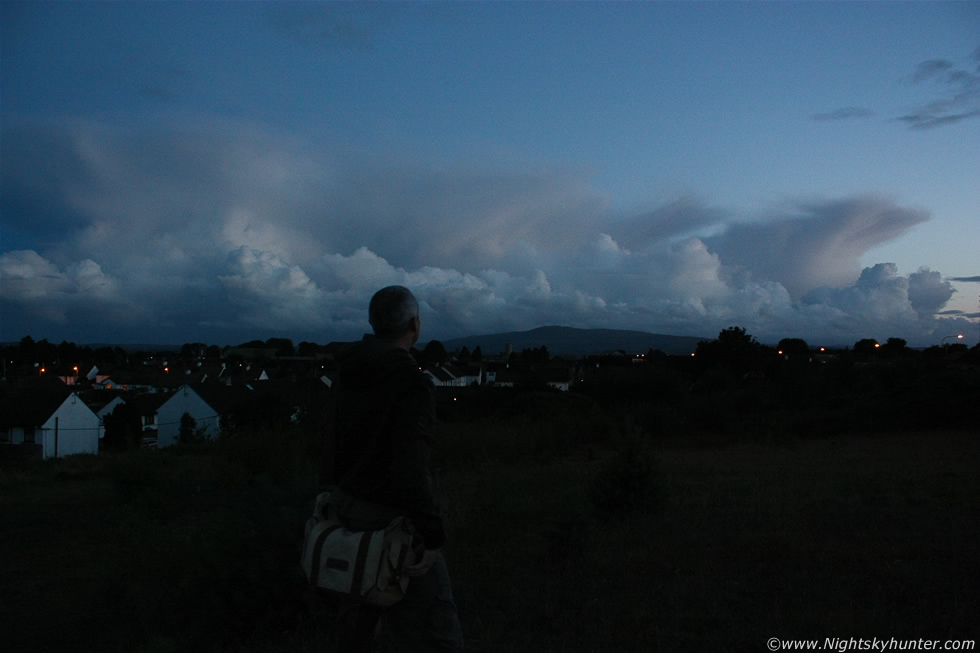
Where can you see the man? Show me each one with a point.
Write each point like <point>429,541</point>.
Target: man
<point>378,457</point>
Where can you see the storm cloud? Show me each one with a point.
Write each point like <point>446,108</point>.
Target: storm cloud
<point>255,233</point>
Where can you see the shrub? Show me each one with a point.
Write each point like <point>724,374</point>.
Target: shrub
<point>630,482</point>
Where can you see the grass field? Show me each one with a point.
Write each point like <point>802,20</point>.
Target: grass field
<point>717,545</point>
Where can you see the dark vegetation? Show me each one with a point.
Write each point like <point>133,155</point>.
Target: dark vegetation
<point>679,504</point>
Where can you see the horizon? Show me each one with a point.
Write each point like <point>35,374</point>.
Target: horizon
<point>225,171</point>
<point>161,346</point>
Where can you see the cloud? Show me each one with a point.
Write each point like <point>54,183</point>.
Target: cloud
<point>339,26</point>
<point>928,293</point>
<point>957,88</point>
<point>355,27</point>
<point>32,283</point>
<point>966,279</point>
<point>269,291</point>
<point>814,244</point>
<point>227,231</point>
<point>884,302</point>
<point>931,69</point>
<point>845,113</point>
<point>683,217</point>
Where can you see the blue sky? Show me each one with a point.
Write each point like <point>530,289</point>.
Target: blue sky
<point>222,171</point>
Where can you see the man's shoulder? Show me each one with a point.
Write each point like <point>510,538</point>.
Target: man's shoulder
<point>367,365</point>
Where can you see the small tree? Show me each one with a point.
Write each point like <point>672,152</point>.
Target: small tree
<point>866,349</point>
<point>435,353</point>
<point>189,433</point>
<point>123,428</point>
<point>895,348</point>
<point>794,350</point>
<point>734,350</point>
<point>283,346</point>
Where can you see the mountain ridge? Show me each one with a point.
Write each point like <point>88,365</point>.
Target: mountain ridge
<point>572,341</point>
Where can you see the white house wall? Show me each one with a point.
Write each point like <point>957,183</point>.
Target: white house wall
<point>72,429</point>
<point>185,400</point>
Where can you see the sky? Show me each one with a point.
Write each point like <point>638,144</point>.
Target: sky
<point>220,172</point>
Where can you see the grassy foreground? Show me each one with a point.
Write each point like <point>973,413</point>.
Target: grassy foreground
<point>565,535</point>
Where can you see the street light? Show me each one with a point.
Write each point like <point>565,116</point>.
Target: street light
<point>958,336</point>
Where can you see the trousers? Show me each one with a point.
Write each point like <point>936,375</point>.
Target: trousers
<point>425,620</point>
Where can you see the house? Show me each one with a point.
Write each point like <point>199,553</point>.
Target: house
<point>470,374</point>
<point>206,403</point>
<point>147,406</point>
<point>440,376</point>
<point>450,375</point>
<point>171,412</point>
<point>48,421</point>
<point>129,381</point>
<point>106,408</point>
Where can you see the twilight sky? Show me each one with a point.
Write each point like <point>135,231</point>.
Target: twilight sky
<point>225,171</point>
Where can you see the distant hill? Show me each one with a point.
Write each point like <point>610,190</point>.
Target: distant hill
<point>568,341</point>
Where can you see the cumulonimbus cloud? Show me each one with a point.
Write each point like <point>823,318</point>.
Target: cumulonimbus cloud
<point>814,244</point>
<point>228,229</point>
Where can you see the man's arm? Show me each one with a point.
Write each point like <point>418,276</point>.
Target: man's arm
<point>411,473</point>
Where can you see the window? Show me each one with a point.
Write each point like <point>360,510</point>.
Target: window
<point>29,434</point>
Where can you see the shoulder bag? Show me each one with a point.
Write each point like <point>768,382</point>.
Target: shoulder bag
<point>366,566</point>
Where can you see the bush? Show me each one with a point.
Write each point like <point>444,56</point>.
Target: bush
<point>630,482</point>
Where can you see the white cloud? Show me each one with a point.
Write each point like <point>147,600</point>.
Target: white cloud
<point>224,225</point>
<point>928,293</point>
<point>32,283</point>
<point>271,293</point>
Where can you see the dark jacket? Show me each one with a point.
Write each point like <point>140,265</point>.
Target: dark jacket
<point>384,413</point>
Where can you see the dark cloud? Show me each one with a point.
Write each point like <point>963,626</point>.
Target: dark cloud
<point>331,25</point>
<point>357,26</point>
<point>845,113</point>
<point>958,90</point>
<point>931,69</point>
<point>966,279</point>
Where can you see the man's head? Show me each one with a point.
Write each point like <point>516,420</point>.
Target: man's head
<point>394,315</point>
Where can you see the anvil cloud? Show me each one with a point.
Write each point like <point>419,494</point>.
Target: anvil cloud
<point>220,172</point>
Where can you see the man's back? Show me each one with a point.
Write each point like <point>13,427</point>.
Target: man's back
<point>383,429</point>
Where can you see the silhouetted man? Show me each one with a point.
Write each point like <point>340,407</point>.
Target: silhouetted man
<point>384,410</point>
